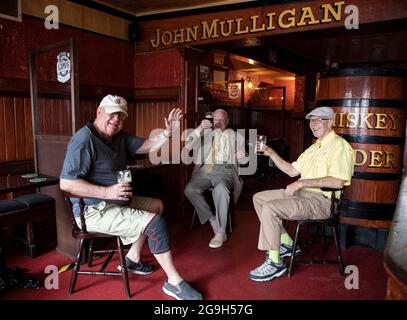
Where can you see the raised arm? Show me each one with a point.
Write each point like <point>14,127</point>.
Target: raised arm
<point>195,135</point>
<point>283,165</point>
<point>172,123</point>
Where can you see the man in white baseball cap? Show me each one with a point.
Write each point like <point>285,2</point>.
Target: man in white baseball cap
<point>328,163</point>
<point>112,104</point>
<point>95,155</point>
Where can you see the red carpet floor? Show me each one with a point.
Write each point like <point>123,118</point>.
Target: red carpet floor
<point>218,273</point>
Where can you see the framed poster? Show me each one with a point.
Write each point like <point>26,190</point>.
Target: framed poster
<point>219,73</point>
<point>203,75</point>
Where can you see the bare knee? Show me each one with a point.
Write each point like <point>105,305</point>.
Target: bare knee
<point>156,206</point>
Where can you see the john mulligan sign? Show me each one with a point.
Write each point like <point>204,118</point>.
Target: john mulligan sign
<point>267,22</point>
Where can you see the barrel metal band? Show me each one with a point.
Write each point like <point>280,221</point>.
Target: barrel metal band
<point>364,210</point>
<point>360,72</point>
<point>373,139</point>
<point>377,176</point>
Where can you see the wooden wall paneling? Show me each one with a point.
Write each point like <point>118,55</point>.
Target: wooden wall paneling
<point>62,119</point>
<point>54,112</point>
<point>2,131</point>
<point>28,130</point>
<point>19,115</point>
<point>87,111</point>
<point>41,116</point>
<point>9,128</point>
<point>129,123</point>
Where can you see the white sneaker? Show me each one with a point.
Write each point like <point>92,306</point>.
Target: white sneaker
<point>218,240</point>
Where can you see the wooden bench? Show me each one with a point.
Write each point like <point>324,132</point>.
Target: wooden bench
<point>24,209</point>
<point>27,209</point>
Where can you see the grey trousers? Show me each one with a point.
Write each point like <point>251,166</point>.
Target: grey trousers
<point>221,180</point>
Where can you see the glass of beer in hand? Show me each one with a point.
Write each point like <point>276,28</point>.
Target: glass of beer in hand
<point>209,116</point>
<point>261,143</point>
<point>124,176</point>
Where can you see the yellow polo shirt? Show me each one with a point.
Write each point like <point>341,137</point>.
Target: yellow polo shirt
<point>331,156</point>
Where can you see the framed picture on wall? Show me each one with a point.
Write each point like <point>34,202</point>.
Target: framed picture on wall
<point>219,73</point>
<point>203,75</point>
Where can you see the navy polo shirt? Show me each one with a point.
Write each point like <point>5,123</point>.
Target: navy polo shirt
<point>92,158</point>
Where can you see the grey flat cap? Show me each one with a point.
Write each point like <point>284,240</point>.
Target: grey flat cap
<point>325,113</point>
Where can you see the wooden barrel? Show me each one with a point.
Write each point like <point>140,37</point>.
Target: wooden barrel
<point>370,113</point>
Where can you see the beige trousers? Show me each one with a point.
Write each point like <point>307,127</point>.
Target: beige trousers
<point>127,222</point>
<point>273,206</point>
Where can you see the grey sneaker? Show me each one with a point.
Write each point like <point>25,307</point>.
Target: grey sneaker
<point>286,251</point>
<point>268,271</point>
<point>137,267</point>
<point>182,291</point>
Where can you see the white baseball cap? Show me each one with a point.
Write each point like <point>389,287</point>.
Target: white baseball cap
<point>325,113</point>
<point>112,103</point>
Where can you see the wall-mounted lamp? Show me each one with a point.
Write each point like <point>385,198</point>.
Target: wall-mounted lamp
<point>249,83</point>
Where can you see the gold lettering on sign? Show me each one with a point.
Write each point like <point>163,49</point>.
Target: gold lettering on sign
<point>266,21</point>
<point>192,33</point>
<point>335,13</point>
<point>270,19</point>
<point>179,36</point>
<point>307,14</point>
<point>290,19</point>
<point>376,121</point>
<point>395,119</point>
<point>365,119</point>
<point>222,30</point>
<point>166,38</point>
<point>381,121</point>
<point>351,120</point>
<point>374,158</point>
<point>239,27</point>
<point>155,43</point>
<point>359,154</point>
<point>210,32</point>
<point>254,25</point>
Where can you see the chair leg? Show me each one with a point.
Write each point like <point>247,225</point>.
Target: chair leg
<point>90,253</point>
<point>324,247</point>
<point>77,266</point>
<point>338,251</point>
<point>193,220</point>
<point>123,268</point>
<point>292,258</point>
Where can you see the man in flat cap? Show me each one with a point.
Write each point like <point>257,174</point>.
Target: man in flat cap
<point>326,163</point>
<point>94,156</point>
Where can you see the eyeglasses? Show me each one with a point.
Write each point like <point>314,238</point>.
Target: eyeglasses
<point>120,115</point>
<point>315,121</point>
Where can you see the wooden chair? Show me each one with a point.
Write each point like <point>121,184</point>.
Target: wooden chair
<point>84,237</point>
<point>331,222</point>
<point>208,196</point>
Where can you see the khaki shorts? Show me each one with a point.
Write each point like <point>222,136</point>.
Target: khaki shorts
<point>127,222</point>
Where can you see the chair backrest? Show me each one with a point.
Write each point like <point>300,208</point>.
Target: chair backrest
<point>69,203</point>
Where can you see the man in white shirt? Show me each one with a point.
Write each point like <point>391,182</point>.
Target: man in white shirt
<point>220,149</point>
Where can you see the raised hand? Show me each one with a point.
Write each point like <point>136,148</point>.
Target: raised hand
<point>173,121</point>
